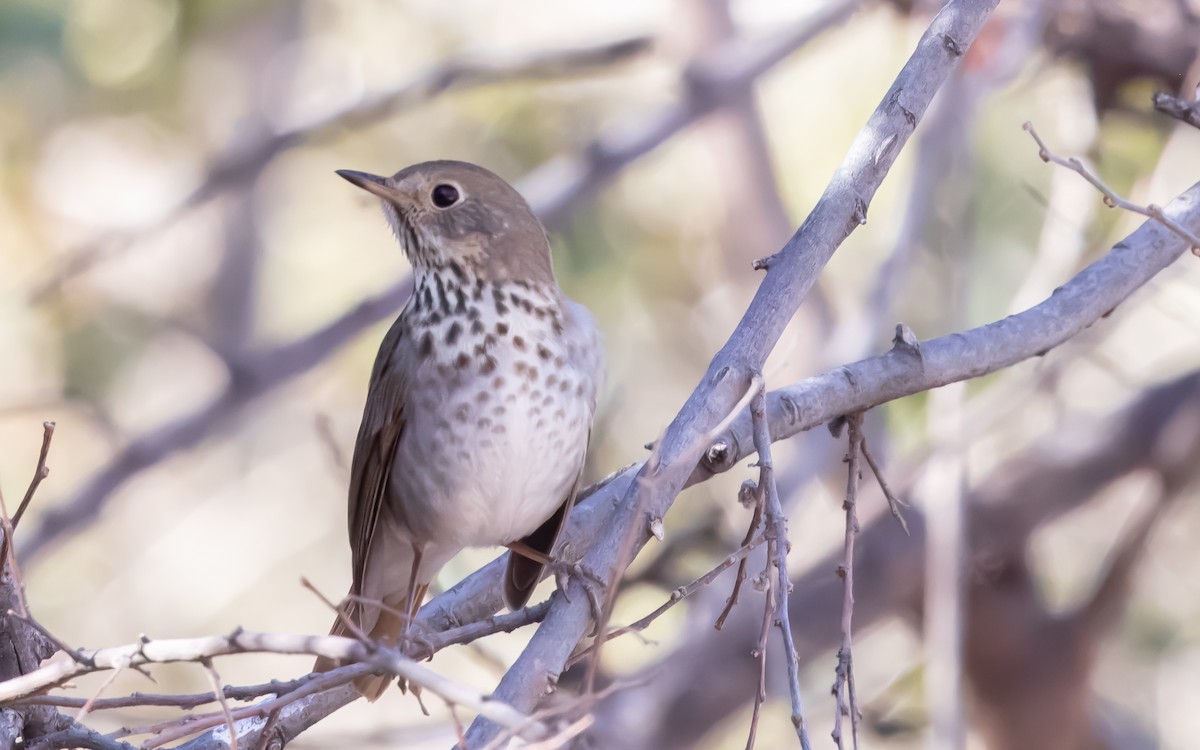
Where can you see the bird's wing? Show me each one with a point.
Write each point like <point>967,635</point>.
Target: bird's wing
<point>375,450</point>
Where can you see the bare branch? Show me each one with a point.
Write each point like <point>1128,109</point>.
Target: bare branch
<point>760,653</point>
<point>777,552</point>
<point>1111,199</point>
<point>791,273</point>
<point>1173,106</point>
<point>184,700</point>
<point>843,685</point>
<point>678,595</point>
<point>41,472</point>
<point>239,642</point>
<point>7,554</point>
<point>255,374</point>
<point>893,502</point>
<point>1159,433</point>
<point>748,495</point>
<point>215,680</point>
<point>463,73</point>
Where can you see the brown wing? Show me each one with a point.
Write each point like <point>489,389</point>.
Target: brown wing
<point>375,450</point>
<point>522,574</point>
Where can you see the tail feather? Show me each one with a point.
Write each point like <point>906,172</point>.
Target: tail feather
<point>385,628</point>
<point>523,573</point>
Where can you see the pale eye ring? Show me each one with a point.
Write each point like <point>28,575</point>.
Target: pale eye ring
<point>445,195</point>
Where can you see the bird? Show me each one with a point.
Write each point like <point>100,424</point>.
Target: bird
<point>480,404</point>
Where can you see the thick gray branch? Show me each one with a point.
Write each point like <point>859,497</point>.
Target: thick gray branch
<point>790,275</point>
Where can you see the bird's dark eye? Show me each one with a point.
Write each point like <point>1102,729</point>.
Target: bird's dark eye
<point>445,196</point>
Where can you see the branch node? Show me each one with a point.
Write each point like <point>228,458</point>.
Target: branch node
<point>718,453</point>
<point>951,45</point>
<point>906,341</point>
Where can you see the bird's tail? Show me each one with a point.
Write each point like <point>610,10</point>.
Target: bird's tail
<point>383,625</point>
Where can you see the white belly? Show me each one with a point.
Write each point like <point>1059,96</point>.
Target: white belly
<point>489,452</point>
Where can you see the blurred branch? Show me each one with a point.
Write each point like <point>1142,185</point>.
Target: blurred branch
<point>252,376</point>
<point>940,150</point>
<point>237,167</point>
<point>713,79</point>
<point>942,486</point>
<point>1173,106</point>
<point>552,190</point>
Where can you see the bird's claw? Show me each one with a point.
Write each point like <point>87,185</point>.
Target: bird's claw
<point>415,645</point>
<point>594,587</point>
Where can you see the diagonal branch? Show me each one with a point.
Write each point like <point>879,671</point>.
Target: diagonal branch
<point>1181,110</point>
<point>909,367</point>
<point>791,273</point>
<point>456,74</point>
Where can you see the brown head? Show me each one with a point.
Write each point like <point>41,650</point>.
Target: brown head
<point>454,213</point>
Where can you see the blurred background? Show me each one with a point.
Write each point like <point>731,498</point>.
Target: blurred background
<point>195,298</point>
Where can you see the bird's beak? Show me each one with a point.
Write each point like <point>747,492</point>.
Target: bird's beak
<point>373,184</point>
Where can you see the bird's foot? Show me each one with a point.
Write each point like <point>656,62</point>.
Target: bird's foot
<point>593,585</point>
<point>416,645</point>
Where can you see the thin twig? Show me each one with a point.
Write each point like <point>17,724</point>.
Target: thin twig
<point>8,555</point>
<point>320,682</point>
<point>74,653</point>
<point>760,653</point>
<point>629,543</point>
<point>1111,199</point>
<point>337,648</point>
<point>777,552</point>
<point>190,725</point>
<point>893,502</point>
<point>580,703</point>
<point>678,595</point>
<point>264,737</point>
<point>843,685</point>
<point>505,623</point>
<point>563,738</point>
<point>215,679</point>
<point>39,474</point>
<point>91,701</point>
<point>460,732</point>
<point>749,495</point>
<point>325,432</point>
<point>9,562</point>
<point>343,618</point>
<point>183,700</point>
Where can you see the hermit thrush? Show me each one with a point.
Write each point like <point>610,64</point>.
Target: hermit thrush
<point>480,404</point>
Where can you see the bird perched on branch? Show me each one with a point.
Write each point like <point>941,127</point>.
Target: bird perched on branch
<point>480,404</point>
